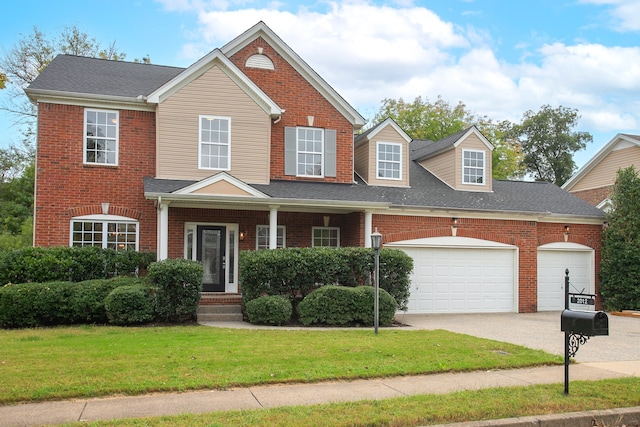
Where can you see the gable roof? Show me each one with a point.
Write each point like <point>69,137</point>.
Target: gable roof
<point>599,156</point>
<point>216,58</point>
<point>373,131</point>
<point>262,30</point>
<point>78,77</point>
<point>422,149</point>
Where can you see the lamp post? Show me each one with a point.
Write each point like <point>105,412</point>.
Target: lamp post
<point>376,243</point>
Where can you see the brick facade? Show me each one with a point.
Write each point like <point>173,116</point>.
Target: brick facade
<point>594,196</point>
<point>66,188</point>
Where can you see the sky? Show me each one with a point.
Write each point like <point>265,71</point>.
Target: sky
<point>500,58</point>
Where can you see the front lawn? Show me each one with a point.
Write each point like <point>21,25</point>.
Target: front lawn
<point>88,361</point>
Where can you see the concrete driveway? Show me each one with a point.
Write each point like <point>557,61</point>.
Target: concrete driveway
<point>539,331</point>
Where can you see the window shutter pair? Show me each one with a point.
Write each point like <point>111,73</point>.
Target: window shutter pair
<point>290,152</point>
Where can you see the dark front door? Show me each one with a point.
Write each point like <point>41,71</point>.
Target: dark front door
<point>211,252</point>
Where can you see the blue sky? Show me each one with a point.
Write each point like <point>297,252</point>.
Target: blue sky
<point>499,57</point>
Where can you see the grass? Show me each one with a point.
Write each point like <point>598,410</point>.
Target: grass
<point>484,404</point>
<point>90,361</point>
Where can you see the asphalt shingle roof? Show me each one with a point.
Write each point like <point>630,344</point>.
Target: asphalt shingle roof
<point>93,76</point>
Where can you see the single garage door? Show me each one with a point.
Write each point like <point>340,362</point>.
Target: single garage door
<point>461,275</point>
<point>553,260</point>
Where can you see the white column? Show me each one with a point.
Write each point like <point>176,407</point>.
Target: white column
<point>273,227</point>
<point>163,230</point>
<point>368,222</point>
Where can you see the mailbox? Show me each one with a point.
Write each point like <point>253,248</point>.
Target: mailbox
<point>588,323</point>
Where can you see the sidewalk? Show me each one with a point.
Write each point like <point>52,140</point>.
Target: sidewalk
<point>47,413</point>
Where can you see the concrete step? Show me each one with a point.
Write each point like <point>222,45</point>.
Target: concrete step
<point>219,313</point>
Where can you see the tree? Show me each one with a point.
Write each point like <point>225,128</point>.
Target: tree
<point>620,266</point>
<point>422,119</point>
<point>548,142</point>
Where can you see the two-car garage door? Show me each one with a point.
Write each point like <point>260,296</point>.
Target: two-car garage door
<point>461,275</point>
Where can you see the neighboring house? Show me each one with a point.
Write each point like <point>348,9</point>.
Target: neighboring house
<point>249,148</point>
<point>594,181</point>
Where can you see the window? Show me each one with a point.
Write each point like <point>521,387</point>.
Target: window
<point>473,167</point>
<point>389,156</point>
<point>215,143</point>
<point>101,137</point>
<point>326,237</point>
<point>310,143</point>
<point>97,230</point>
<point>262,237</point>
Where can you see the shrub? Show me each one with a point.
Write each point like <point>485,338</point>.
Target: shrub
<point>295,272</point>
<point>56,303</point>
<point>177,284</point>
<point>340,305</point>
<point>270,310</point>
<point>129,305</point>
<point>73,264</point>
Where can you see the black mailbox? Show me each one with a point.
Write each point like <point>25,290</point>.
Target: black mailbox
<point>588,323</point>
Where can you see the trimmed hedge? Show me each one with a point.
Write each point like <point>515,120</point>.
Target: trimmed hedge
<point>341,305</point>
<point>296,272</point>
<point>74,264</point>
<point>270,310</point>
<point>129,305</point>
<point>177,284</point>
<point>56,303</point>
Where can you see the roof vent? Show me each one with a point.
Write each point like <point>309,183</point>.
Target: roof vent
<point>259,61</point>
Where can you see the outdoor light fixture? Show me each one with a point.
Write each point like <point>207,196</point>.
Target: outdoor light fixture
<point>242,235</point>
<point>566,233</point>
<point>376,243</point>
<point>454,226</point>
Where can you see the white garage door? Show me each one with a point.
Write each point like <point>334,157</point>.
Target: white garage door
<point>461,275</point>
<point>553,260</point>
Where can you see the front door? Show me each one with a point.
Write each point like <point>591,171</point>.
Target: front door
<point>211,252</point>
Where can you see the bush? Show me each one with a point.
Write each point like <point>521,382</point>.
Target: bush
<point>129,305</point>
<point>269,310</point>
<point>340,305</point>
<point>73,264</point>
<point>56,303</point>
<point>177,284</point>
<point>296,272</point>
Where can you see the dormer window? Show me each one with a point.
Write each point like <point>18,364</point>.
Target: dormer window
<point>473,167</point>
<point>389,160</point>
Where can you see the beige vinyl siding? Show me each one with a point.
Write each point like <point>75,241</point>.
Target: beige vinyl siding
<point>442,166</point>
<point>222,188</point>
<point>388,134</point>
<point>472,142</point>
<point>361,161</point>
<point>215,94</point>
<point>605,172</point>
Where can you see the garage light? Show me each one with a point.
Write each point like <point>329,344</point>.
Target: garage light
<point>454,226</point>
<point>566,233</point>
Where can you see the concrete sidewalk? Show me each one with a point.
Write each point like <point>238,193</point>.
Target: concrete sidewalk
<point>48,413</point>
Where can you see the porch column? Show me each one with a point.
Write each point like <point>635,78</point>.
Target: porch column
<point>368,222</point>
<point>273,227</point>
<point>163,230</point>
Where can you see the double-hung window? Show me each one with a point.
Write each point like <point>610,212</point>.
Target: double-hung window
<point>118,233</point>
<point>215,143</point>
<point>310,149</point>
<point>389,160</point>
<point>262,237</point>
<point>326,237</point>
<point>101,137</point>
<point>473,167</point>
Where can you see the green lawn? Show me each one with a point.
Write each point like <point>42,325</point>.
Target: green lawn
<point>59,363</point>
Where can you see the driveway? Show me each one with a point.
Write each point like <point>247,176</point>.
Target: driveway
<point>539,331</point>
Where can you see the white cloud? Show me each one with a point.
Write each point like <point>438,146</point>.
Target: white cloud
<point>625,13</point>
<point>369,52</point>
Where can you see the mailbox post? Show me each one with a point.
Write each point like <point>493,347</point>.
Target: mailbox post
<point>578,326</point>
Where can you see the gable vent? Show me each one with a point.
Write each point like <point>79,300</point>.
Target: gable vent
<point>259,61</point>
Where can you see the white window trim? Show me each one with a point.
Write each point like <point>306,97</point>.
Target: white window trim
<point>280,228</point>
<point>313,230</point>
<point>484,168</point>
<point>84,139</point>
<point>210,117</point>
<point>378,161</point>
<point>322,153</point>
<point>105,219</point>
